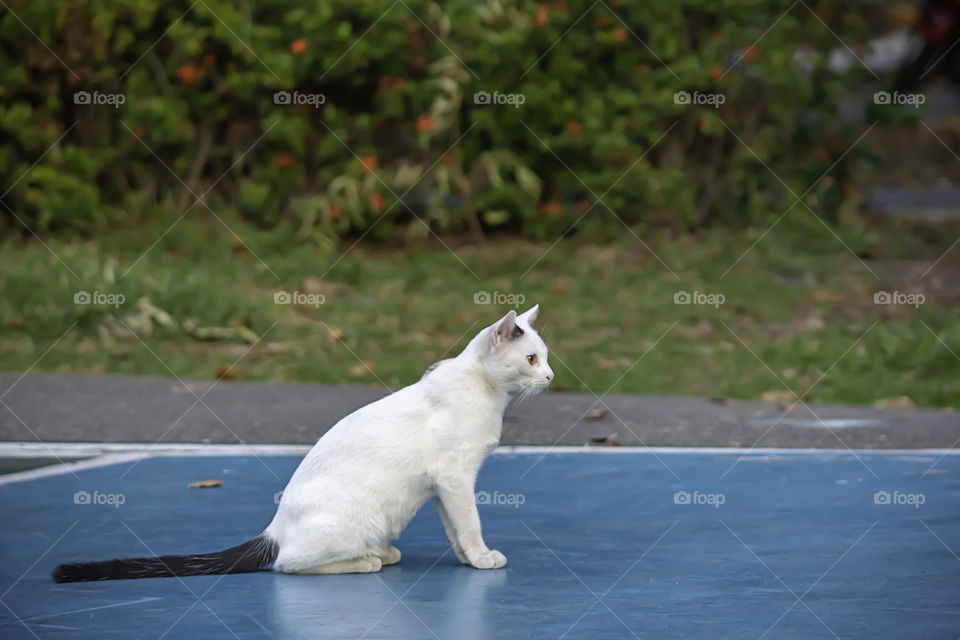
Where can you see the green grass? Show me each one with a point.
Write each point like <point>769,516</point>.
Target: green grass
<point>798,307</point>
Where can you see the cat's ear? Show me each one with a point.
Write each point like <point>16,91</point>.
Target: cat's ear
<point>506,329</point>
<point>530,315</point>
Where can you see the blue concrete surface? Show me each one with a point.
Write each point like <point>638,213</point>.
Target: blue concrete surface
<point>599,545</point>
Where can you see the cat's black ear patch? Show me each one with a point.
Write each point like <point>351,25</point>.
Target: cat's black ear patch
<point>517,332</point>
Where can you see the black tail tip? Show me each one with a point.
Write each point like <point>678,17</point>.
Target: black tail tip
<point>70,573</point>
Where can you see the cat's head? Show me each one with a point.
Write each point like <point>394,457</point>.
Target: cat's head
<point>517,357</point>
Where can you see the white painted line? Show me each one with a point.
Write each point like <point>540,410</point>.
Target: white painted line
<point>105,454</point>
<point>67,467</point>
<point>828,423</point>
<point>93,449</point>
<point>741,451</point>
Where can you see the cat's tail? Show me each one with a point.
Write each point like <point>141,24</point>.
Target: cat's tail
<point>249,556</point>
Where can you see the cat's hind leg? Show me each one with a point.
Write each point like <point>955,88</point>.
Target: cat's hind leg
<point>366,564</point>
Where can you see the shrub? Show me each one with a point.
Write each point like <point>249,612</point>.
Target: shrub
<point>385,101</point>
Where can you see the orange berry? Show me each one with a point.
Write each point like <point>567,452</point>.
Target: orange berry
<point>448,159</point>
<point>716,72</point>
<point>750,54</point>
<point>369,163</point>
<point>575,127</point>
<point>376,202</point>
<point>284,160</point>
<point>543,15</point>
<point>209,60</point>
<point>187,74</point>
<point>619,35</point>
<point>550,208</point>
<point>298,47</point>
<point>334,212</point>
<point>425,122</point>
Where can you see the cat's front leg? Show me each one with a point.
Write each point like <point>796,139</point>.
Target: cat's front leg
<point>456,496</point>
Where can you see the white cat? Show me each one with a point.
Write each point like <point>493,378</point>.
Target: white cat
<point>365,478</point>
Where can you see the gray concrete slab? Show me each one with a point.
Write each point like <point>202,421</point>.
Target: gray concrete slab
<point>73,408</point>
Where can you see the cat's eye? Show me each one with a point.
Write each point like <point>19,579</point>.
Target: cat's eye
<point>532,360</point>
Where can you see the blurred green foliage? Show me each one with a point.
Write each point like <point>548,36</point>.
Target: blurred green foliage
<point>399,118</point>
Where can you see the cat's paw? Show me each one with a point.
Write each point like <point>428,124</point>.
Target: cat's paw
<point>491,559</point>
<point>391,556</point>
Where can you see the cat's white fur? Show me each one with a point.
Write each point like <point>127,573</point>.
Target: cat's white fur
<point>365,478</point>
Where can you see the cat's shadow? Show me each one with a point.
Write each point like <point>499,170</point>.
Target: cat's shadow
<point>451,601</point>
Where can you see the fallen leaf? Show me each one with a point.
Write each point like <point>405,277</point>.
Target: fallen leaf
<point>610,440</point>
<point>898,402</point>
<point>810,323</point>
<point>226,373</point>
<point>777,397</point>
<point>596,414</point>
<point>205,484</point>
<point>701,328</point>
<point>312,284</point>
<point>362,368</point>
